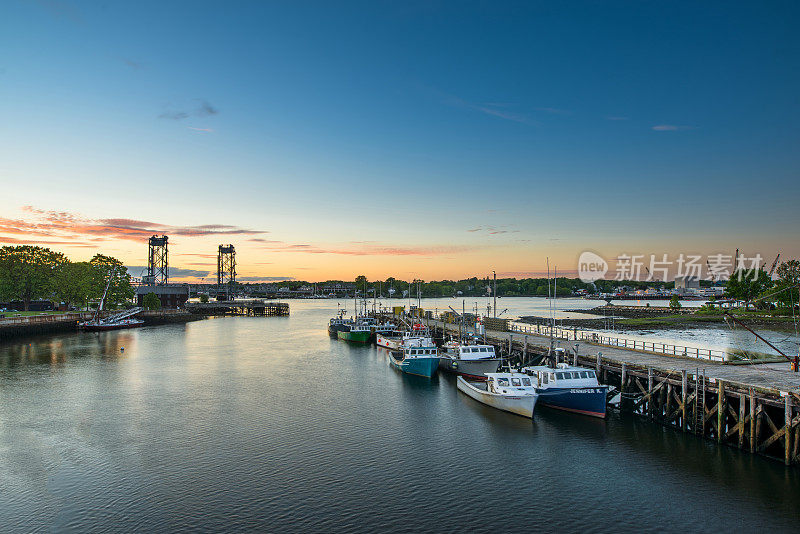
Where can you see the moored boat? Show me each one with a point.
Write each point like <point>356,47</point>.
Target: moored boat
<point>103,325</point>
<point>338,323</point>
<point>421,361</point>
<point>417,336</point>
<point>510,392</point>
<point>569,388</point>
<point>470,361</point>
<point>358,333</point>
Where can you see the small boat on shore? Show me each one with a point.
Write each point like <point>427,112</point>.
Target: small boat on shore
<point>117,321</point>
<point>468,360</point>
<point>510,392</point>
<point>569,388</point>
<point>110,323</point>
<point>420,361</point>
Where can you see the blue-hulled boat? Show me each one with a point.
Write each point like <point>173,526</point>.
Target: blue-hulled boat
<point>421,361</point>
<point>569,388</point>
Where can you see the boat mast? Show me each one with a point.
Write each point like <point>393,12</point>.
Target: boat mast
<point>103,300</point>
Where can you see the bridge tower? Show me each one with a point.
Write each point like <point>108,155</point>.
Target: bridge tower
<point>157,261</point>
<point>226,270</point>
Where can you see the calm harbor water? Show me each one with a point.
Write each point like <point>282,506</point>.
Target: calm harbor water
<point>267,424</point>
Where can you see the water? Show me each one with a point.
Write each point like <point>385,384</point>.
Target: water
<point>266,424</point>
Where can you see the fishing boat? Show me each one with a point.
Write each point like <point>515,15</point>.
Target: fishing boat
<point>469,360</point>
<point>117,321</point>
<point>417,336</point>
<point>569,388</point>
<point>421,361</point>
<point>357,333</point>
<point>338,323</point>
<point>510,392</point>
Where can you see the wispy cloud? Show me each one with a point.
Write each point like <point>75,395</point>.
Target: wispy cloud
<point>51,225</point>
<point>205,130</point>
<point>369,249</point>
<point>670,128</point>
<point>494,109</point>
<point>174,272</point>
<point>136,65</point>
<point>494,230</point>
<point>203,109</point>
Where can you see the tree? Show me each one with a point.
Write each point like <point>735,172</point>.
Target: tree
<point>788,280</point>
<point>27,272</point>
<point>674,302</point>
<point>746,285</point>
<point>203,298</point>
<point>77,283</point>
<point>120,289</point>
<point>151,302</point>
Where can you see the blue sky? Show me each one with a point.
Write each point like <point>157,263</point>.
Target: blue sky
<point>361,129</point>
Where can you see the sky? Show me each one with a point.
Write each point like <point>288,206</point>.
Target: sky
<point>433,140</point>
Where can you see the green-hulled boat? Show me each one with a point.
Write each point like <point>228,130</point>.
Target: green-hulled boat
<point>361,333</point>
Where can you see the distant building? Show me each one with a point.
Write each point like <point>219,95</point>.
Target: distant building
<point>686,284</point>
<point>172,296</point>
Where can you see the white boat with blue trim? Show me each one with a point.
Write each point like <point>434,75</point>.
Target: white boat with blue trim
<point>510,392</point>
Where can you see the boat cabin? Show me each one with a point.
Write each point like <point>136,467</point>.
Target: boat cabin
<point>563,376</point>
<point>513,383</point>
<point>472,352</point>
<point>420,352</point>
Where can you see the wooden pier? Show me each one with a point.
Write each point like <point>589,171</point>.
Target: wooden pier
<point>755,408</point>
<point>250,307</point>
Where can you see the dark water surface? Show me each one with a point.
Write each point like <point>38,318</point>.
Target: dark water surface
<point>266,424</point>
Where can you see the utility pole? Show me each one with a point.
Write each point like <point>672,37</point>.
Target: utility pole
<point>494,292</point>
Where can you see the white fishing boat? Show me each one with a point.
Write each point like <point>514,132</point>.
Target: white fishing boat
<point>417,336</point>
<point>510,392</point>
<point>469,360</point>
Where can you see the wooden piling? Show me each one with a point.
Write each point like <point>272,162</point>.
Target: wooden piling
<point>753,417</point>
<point>787,428</point>
<point>720,409</point>
<point>742,418</point>
<point>650,392</point>
<point>684,382</point>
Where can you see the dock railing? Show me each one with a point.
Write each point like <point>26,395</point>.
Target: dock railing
<point>575,334</point>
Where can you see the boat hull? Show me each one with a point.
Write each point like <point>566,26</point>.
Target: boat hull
<point>354,337</point>
<point>106,327</point>
<point>415,366</point>
<point>523,405</point>
<point>334,329</point>
<point>587,400</point>
<point>475,369</point>
<point>388,342</point>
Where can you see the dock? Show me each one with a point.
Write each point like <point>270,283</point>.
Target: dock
<point>751,407</point>
<point>249,308</point>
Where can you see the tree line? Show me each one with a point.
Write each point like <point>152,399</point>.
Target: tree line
<point>29,273</point>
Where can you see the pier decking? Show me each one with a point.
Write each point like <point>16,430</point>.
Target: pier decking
<point>754,408</point>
